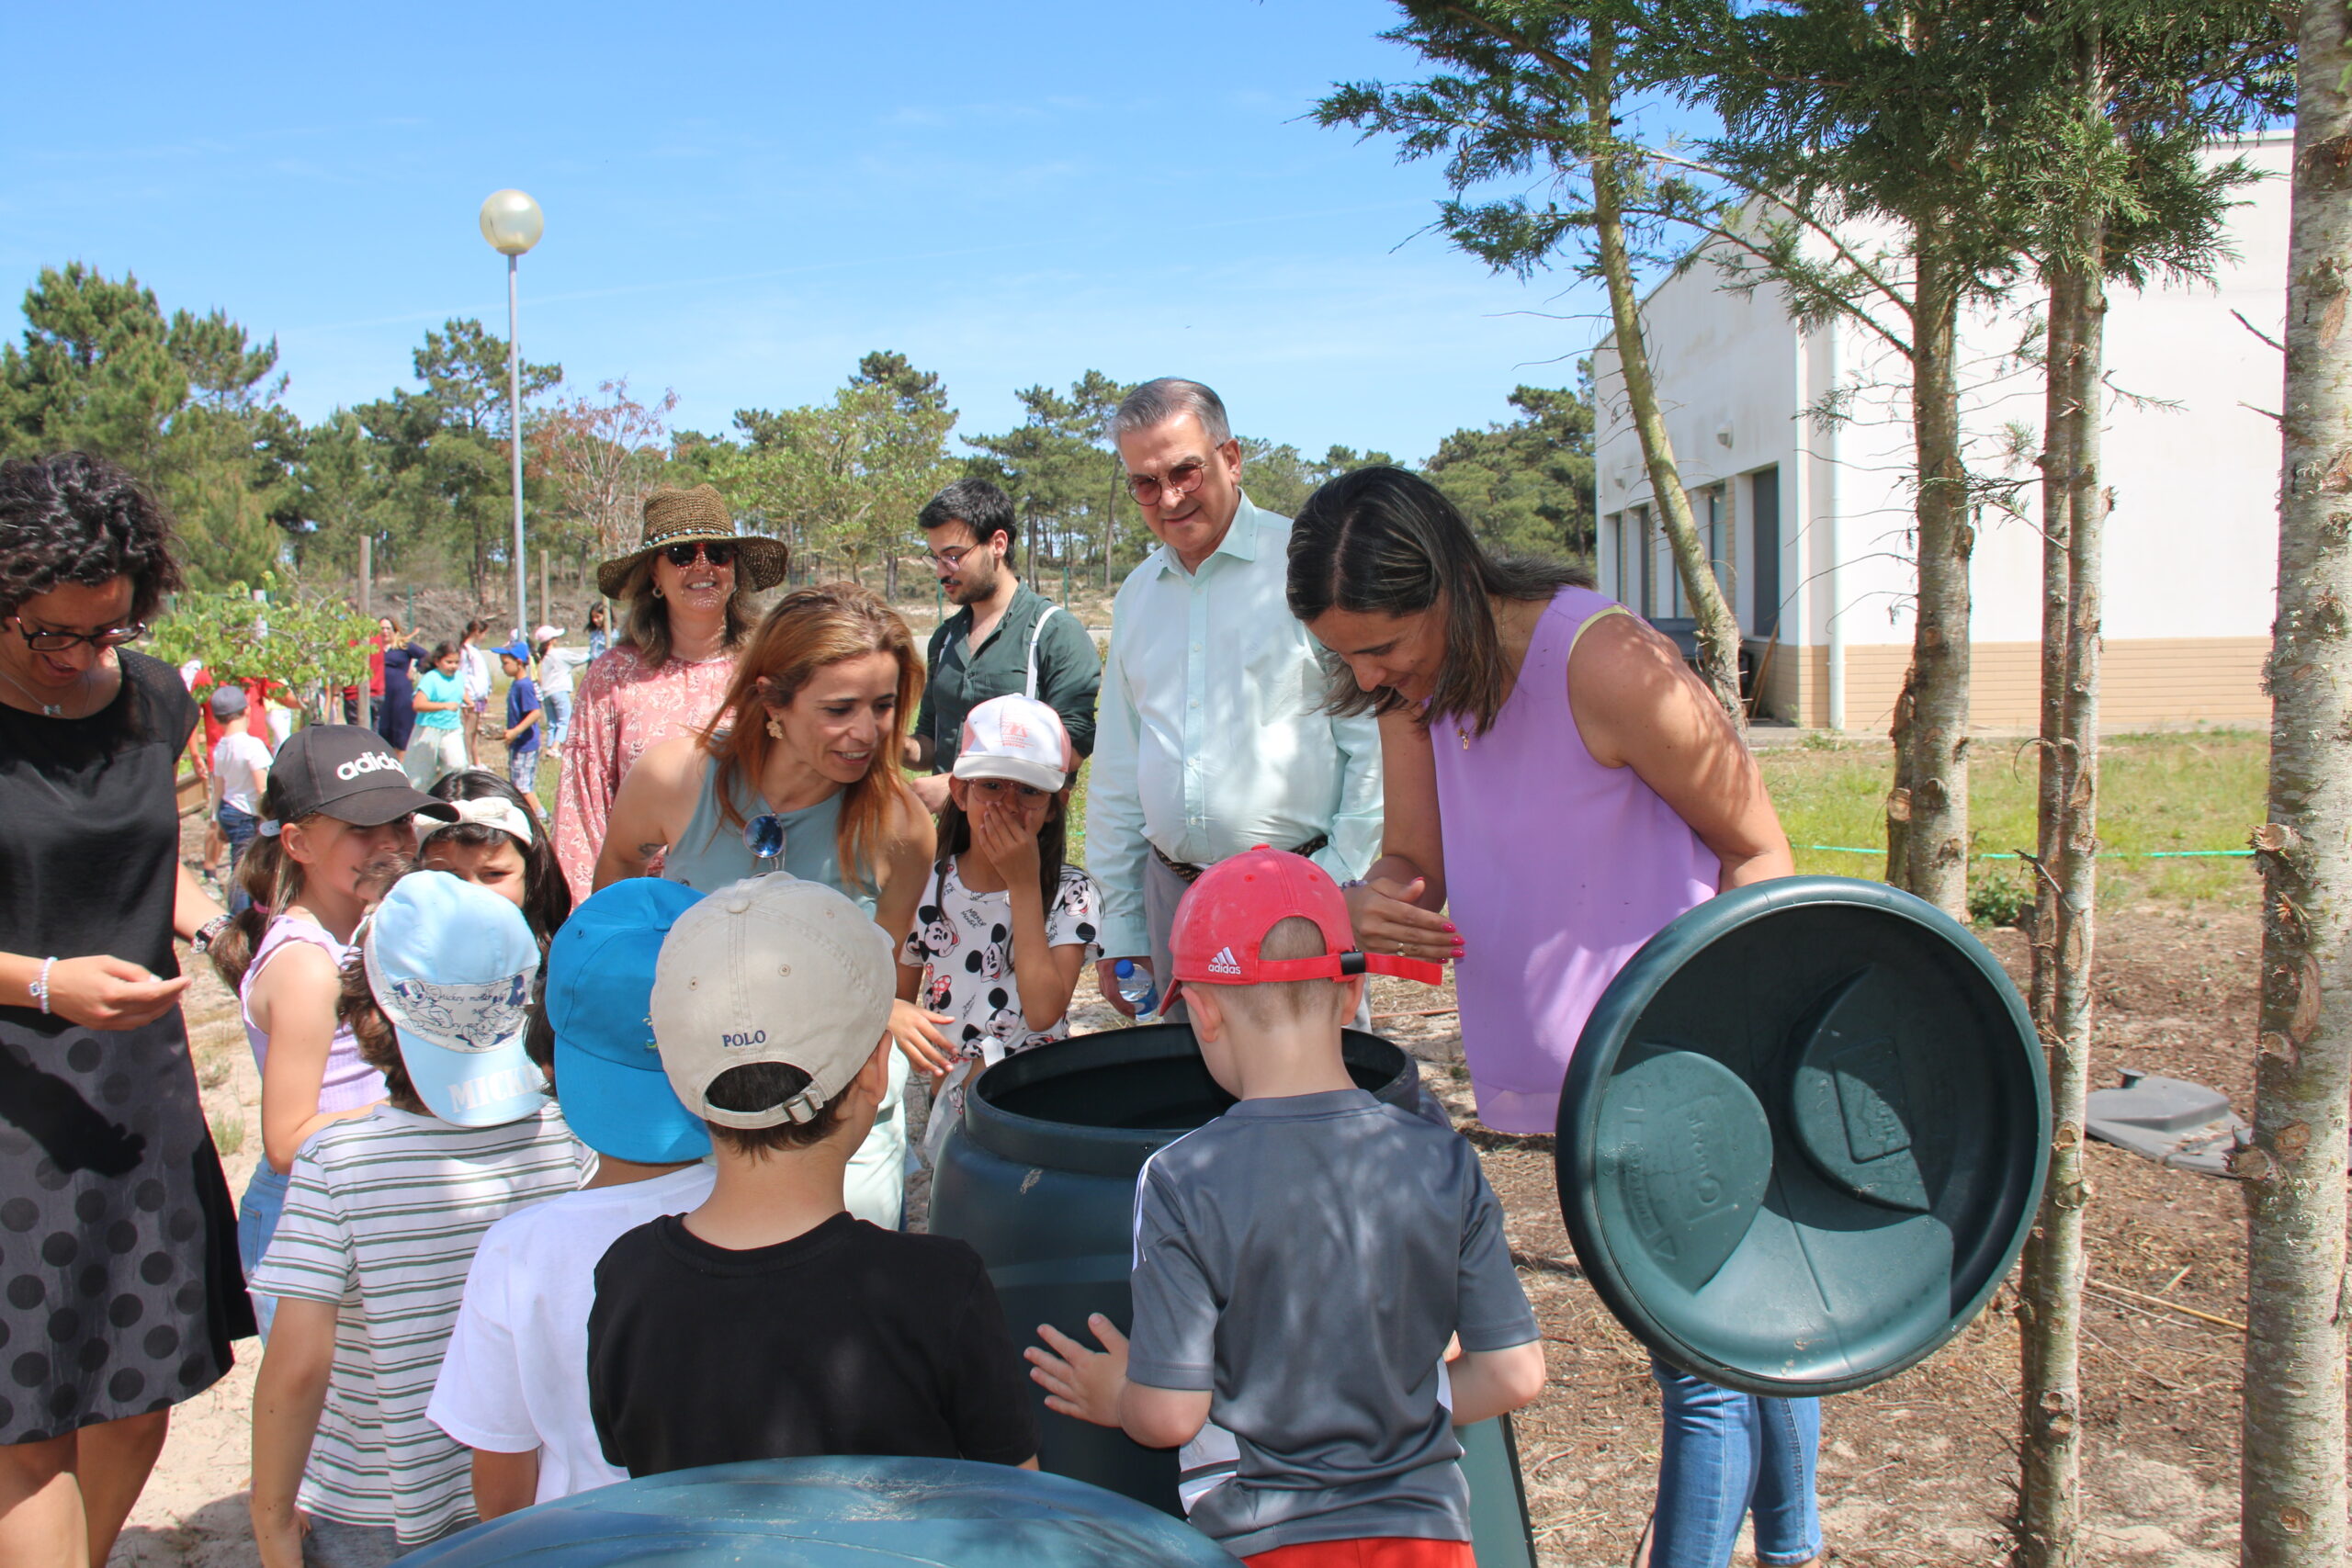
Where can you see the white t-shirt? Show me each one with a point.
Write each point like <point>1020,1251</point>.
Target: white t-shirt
<point>234,761</point>
<point>558,666</point>
<point>516,1377</point>
<point>474,666</point>
<point>380,1222</point>
<point>963,944</point>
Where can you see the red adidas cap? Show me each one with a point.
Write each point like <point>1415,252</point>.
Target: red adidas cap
<point>1225,914</point>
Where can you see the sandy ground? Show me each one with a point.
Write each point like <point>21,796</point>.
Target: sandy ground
<point>1919,1471</point>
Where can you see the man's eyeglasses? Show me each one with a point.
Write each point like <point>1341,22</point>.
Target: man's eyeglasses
<point>1183,479</point>
<point>953,556</point>
<point>58,642</point>
<point>717,552</point>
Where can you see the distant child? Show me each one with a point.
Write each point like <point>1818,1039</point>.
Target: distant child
<point>239,770</point>
<point>514,1384</point>
<point>1302,1262</point>
<point>766,1323</point>
<point>1007,928</point>
<point>500,842</point>
<point>370,1258</point>
<point>333,828</point>
<point>524,728</point>
<point>438,745</point>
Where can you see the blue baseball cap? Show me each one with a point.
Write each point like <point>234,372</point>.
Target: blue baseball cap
<point>518,653</point>
<point>608,1072</point>
<point>451,965</point>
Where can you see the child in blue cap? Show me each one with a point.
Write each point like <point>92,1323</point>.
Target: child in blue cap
<point>380,1222</point>
<point>513,1387</point>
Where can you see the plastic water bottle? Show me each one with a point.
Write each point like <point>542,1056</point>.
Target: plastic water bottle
<point>1136,986</point>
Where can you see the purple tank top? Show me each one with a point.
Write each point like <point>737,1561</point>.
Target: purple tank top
<point>1558,870</point>
<point>349,1083</point>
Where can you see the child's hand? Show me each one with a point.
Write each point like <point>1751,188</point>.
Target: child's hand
<point>916,1033</point>
<point>1010,844</point>
<point>1079,1382</point>
<point>279,1542</point>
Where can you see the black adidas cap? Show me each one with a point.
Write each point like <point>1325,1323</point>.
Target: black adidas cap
<point>347,772</point>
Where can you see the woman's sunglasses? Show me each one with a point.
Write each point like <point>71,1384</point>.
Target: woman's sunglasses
<point>717,552</point>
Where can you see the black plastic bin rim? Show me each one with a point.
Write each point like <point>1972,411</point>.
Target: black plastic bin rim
<point>1630,995</point>
<point>1107,1151</point>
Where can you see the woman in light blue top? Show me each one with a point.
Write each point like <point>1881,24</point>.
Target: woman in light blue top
<point>803,780</point>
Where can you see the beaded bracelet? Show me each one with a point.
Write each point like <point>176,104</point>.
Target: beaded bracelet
<point>40,987</point>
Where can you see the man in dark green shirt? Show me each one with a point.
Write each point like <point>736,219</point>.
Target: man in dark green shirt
<point>1005,638</point>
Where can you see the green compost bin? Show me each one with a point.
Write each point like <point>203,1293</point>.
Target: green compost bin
<point>832,1512</point>
<point>1039,1177</point>
<point>1802,1137</point>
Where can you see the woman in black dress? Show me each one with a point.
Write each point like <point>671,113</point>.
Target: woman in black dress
<point>119,1290</point>
<point>396,716</point>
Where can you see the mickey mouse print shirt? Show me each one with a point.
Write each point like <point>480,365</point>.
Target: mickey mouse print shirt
<point>963,944</point>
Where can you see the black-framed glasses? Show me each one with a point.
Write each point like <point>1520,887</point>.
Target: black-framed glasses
<point>1183,479</point>
<point>764,836</point>
<point>58,642</point>
<point>717,552</point>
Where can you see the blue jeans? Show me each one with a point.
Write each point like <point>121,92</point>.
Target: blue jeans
<point>1728,1453</point>
<point>237,828</point>
<point>256,1222</point>
<point>555,709</point>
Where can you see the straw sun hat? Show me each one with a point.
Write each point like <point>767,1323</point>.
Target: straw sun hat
<point>680,517</point>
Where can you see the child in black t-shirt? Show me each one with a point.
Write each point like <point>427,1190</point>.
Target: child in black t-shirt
<point>768,1324</point>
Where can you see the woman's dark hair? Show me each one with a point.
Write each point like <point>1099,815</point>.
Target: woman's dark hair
<point>644,619</point>
<point>547,896</point>
<point>475,628</point>
<point>596,614</point>
<point>1380,541</point>
<point>379,1045</point>
<point>955,836</point>
<point>75,518</point>
<point>976,503</point>
<point>756,1086</point>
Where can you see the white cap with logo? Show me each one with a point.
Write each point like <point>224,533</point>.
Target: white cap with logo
<point>1016,738</point>
<point>771,969</point>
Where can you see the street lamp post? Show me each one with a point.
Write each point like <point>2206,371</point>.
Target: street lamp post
<point>512,222</point>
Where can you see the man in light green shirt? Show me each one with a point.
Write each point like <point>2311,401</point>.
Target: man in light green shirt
<point>1211,735</point>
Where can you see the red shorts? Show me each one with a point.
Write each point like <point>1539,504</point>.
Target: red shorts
<point>1372,1551</point>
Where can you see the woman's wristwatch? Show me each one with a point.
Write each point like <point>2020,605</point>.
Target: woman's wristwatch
<point>209,932</point>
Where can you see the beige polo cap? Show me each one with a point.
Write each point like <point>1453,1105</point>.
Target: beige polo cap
<point>771,969</point>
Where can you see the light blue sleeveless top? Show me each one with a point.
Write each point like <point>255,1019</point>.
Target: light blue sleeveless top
<point>710,854</point>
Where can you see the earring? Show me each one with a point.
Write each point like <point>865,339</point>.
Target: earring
<point>775,727</point>
<point>656,591</point>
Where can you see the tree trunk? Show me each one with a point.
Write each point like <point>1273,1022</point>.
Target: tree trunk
<point>1932,802</point>
<point>2051,1310</point>
<point>1718,627</point>
<point>2292,1481</point>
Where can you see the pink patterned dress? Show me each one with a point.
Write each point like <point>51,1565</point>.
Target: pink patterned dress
<point>621,708</point>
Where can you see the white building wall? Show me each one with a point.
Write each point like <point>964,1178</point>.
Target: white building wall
<point>2193,465</point>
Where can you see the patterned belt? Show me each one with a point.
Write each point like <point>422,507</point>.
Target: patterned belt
<point>1192,872</point>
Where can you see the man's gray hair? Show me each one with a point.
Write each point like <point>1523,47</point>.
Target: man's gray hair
<point>1154,403</point>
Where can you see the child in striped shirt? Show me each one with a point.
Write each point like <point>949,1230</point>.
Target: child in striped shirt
<point>369,1260</point>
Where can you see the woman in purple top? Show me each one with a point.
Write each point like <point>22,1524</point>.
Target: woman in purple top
<point>1557,776</point>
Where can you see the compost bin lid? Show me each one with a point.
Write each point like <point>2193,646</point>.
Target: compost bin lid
<point>1803,1135</point>
<point>833,1513</point>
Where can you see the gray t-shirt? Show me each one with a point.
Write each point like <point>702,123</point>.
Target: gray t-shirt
<point>1304,1260</point>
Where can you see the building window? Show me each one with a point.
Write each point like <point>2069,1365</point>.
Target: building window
<point>1719,542</point>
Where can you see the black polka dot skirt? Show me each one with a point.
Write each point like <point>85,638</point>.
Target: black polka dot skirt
<point>119,1290</point>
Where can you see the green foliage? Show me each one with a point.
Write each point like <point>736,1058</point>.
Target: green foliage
<point>184,402</point>
<point>1280,480</point>
<point>2000,899</point>
<point>1526,486</point>
<point>311,643</point>
<point>840,479</point>
<point>1064,478</point>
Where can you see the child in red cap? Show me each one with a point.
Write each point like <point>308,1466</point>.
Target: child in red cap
<point>1303,1262</point>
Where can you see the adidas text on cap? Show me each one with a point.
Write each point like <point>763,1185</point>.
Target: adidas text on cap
<point>346,772</point>
<point>1224,916</point>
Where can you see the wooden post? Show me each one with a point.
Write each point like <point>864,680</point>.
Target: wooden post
<point>366,575</point>
<point>546,609</point>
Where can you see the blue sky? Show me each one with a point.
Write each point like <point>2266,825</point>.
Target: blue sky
<point>740,200</point>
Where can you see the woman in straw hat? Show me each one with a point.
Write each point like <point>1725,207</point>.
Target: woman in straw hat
<point>685,594</point>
